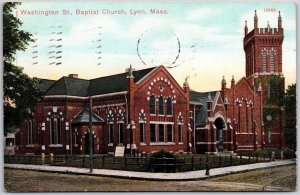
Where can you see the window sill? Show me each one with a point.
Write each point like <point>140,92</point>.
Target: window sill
<point>55,145</point>
<point>162,144</point>
<point>169,115</point>
<point>143,144</point>
<point>180,143</point>
<point>111,144</point>
<point>30,146</point>
<point>120,144</point>
<point>152,114</point>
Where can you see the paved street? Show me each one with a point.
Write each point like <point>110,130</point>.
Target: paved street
<point>191,175</point>
<point>273,179</point>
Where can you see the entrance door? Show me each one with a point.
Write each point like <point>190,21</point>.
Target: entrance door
<point>219,123</point>
<point>87,143</point>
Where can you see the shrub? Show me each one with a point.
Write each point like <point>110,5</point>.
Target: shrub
<point>161,161</point>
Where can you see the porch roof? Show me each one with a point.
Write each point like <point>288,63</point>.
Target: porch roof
<point>83,117</point>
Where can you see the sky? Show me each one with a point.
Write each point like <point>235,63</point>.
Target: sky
<point>202,41</point>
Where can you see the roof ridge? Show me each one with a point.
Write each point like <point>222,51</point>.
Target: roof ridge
<point>76,78</point>
<point>45,79</point>
<point>122,73</point>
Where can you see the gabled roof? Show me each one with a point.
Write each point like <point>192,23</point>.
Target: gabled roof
<point>82,88</point>
<point>45,84</point>
<point>114,83</point>
<point>202,97</point>
<point>83,117</point>
<point>69,86</point>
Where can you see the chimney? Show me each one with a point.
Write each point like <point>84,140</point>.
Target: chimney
<point>73,76</point>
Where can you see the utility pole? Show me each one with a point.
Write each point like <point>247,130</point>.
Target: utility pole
<point>91,136</point>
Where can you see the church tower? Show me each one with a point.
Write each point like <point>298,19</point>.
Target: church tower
<point>263,49</point>
<point>263,57</point>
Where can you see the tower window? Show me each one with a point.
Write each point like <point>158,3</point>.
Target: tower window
<point>264,61</point>
<point>272,62</point>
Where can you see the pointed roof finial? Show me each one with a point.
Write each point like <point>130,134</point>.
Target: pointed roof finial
<point>130,70</point>
<point>255,16</point>
<point>268,26</point>
<point>186,84</point>
<point>279,17</point>
<point>245,23</point>
<point>232,78</point>
<point>209,97</point>
<point>223,80</point>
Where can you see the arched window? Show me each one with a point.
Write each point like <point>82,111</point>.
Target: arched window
<point>264,61</point>
<point>272,62</point>
<point>121,125</point>
<point>29,132</point>
<point>169,106</point>
<point>161,105</point>
<point>142,121</point>
<point>180,126</point>
<point>110,121</point>
<point>152,104</point>
<point>55,131</point>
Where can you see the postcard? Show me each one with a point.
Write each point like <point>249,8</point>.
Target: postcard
<point>119,96</point>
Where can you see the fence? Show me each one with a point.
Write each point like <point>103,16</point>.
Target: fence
<point>196,162</point>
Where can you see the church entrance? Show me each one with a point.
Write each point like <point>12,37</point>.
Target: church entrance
<point>220,125</point>
<point>87,143</point>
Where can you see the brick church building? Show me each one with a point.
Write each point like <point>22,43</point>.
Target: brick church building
<point>146,110</point>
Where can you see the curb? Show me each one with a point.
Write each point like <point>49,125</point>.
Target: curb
<point>204,177</point>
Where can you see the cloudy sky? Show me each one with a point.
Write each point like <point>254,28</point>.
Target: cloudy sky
<point>210,37</point>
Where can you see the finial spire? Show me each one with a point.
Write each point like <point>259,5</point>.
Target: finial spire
<point>186,84</point>
<point>255,20</point>
<point>209,97</point>
<point>223,80</point>
<point>279,21</point>
<point>130,70</point>
<point>246,28</point>
<point>268,26</point>
<point>279,17</point>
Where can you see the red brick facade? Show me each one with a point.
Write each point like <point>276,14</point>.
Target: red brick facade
<point>147,110</point>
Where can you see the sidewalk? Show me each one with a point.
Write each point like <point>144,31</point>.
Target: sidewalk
<point>181,176</point>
